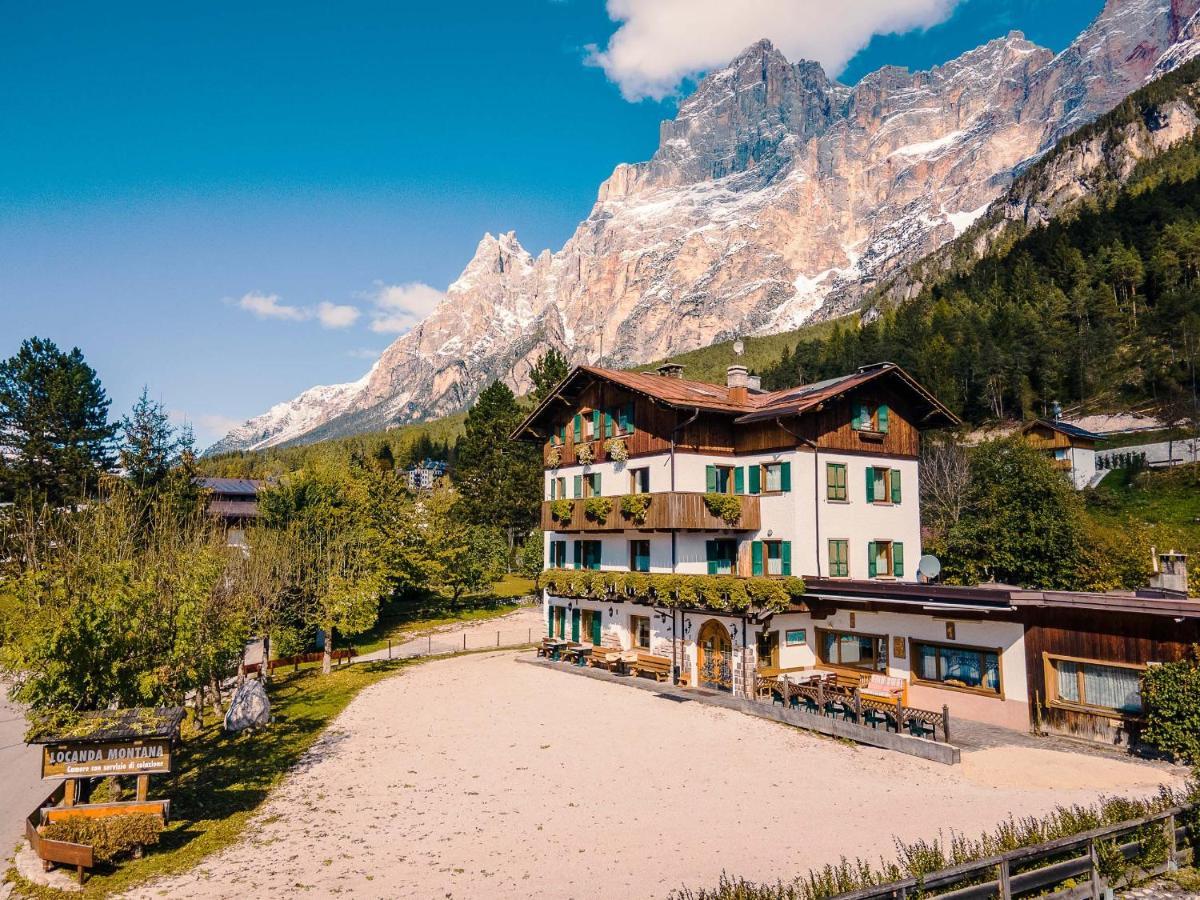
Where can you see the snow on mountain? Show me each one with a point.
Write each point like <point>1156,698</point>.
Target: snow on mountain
<point>776,197</point>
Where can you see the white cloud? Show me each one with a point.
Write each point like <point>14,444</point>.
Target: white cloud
<point>336,315</point>
<point>267,306</point>
<point>661,42</point>
<point>398,307</point>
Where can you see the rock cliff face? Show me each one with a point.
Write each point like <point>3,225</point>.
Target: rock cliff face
<point>776,197</point>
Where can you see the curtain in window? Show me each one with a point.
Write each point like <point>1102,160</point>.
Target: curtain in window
<point>1112,687</point>
<point>830,648</point>
<point>927,662</point>
<point>1068,681</point>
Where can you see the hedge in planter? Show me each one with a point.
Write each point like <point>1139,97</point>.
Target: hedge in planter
<point>725,593</point>
<point>561,510</point>
<point>597,508</point>
<point>110,837</point>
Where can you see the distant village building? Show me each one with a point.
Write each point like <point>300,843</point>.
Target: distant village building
<point>825,477</point>
<point>234,501</point>
<point>1072,449</point>
<point>423,475</point>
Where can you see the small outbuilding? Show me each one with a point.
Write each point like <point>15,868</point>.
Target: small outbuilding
<point>1072,449</point>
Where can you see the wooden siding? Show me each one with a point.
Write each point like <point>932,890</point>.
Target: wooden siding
<point>1100,637</point>
<point>668,511</point>
<point>829,427</point>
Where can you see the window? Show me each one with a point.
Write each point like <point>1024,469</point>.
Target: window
<point>883,485</point>
<point>962,667</point>
<point>768,648</point>
<point>885,559</point>
<point>558,554</point>
<point>722,557</point>
<point>768,478</point>
<point>724,479</point>
<point>587,485</point>
<point>770,557</point>
<point>856,651</point>
<point>1101,686</point>
<point>870,419</point>
<point>839,558</point>
<point>558,488</point>
<point>639,630</point>
<point>639,481</point>
<point>835,481</point>
<point>639,556</point>
<point>587,554</point>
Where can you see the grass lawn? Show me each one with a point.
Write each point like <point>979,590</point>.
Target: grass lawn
<point>222,779</point>
<point>406,618</point>
<point>1168,501</point>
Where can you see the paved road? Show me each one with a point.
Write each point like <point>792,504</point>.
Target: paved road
<point>20,787</point>
<point>506,631</point>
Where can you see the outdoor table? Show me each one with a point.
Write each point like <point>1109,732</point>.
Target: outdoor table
<point>556,648</point>
<point>627,657</point>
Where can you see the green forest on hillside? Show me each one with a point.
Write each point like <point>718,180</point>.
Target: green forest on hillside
<point>1102,308</point>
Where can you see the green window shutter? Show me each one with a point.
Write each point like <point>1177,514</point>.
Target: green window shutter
<point>871,560</point>
<point>578,427</point>
<point>710,551</point>
<point>785,476</point>
<point>834,562</point>
<point>575,625</point>
<point>898,560</point>
<point>597,423</point>
<point>596,492</point>
<point>578,486</point>
<point>549,621</point>
<point>756,479</point>
<point>596,628</point>
<point>739,480</point>
<point>562,434</point>
<point>756,557</point>
<point>858,422</point>
<point>895,485</point>
<point>870,484</point>
<point>608,423</point>
<point>578,554</point>
<point>882,415</point>
<point>710,479</point>
<point>629,426</point>
<point>623,419</point>
<point>785,553</point>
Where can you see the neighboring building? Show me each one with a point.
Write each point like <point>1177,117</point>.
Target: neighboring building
<point>827,479</point>
<point>234,501</point>
<point>424,475</point>
<point>1072,449</point>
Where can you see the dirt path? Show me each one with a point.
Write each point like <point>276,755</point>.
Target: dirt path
<point>482,777</point>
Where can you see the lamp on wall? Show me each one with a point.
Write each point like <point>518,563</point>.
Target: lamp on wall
<point>610,612</point>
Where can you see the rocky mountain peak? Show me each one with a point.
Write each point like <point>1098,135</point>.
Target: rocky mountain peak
<point>776,196</point>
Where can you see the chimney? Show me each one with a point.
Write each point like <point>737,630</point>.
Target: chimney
<point>670,370</point>
<point>754,382</point>
<point>1170,572</point>
<point>737,379</point>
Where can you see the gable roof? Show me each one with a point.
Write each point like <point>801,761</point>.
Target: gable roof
<point>1062,428</point>
<point>758,406</point>
<point>247,486</point>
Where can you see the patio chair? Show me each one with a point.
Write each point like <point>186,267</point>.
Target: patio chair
<point>918,727</point>
<point>810,705</point>
<point>876,717</point>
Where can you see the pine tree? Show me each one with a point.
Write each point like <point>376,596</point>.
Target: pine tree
<point>54,428</point>
<point>149,444</point>
<point>546,373</point>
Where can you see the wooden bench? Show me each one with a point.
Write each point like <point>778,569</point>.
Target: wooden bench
<point>649,664</point>
<point>605,657</point>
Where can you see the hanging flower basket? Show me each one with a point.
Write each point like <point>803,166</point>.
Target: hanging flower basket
<point>584,454</point>
<point>616,450</point>
<point>554,458</point>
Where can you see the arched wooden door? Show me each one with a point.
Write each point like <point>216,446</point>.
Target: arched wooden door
<point>714,656</point>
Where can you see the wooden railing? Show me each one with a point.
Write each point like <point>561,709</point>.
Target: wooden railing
<point>1043,867</point>
<point>668,511</point>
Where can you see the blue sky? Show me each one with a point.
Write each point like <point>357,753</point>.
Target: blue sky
<point>200,196</point>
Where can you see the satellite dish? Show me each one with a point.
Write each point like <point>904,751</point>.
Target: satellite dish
<point>739,347</point>
<point>929,567</point>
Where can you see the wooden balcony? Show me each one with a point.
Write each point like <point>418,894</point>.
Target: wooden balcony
<point>670,511</point>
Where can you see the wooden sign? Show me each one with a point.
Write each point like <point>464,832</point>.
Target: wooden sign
<point>148,756</point>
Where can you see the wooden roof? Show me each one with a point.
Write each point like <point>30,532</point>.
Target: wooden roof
<point>104,725</point>
<point>758,405</point>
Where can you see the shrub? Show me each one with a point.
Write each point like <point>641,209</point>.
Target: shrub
<point>1171,699</point>
<point>561,509</point>
<point>597,508</point>
<point>634,507</point>
<point>110,837</point>
<point>726,507</point>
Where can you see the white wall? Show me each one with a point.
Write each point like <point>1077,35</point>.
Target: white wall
<point>803,515</point>
<point>1083,466</point>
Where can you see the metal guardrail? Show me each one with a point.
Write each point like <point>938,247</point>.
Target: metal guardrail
<point>1015,873</point>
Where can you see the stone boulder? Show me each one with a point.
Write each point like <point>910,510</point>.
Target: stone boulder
<point>249,708</point>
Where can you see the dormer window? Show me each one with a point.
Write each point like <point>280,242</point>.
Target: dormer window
<point>870,419</point>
